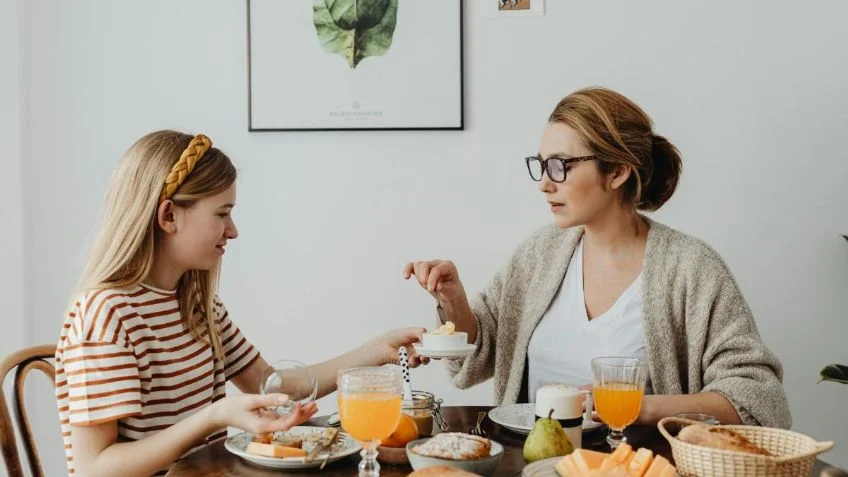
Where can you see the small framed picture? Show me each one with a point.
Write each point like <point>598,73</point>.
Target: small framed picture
<point>516,8</point>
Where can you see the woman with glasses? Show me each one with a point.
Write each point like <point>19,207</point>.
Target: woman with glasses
<point>605,280</point>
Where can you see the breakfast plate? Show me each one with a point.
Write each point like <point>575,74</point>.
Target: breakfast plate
<point>458,352</point>
<point>520,417</point>
<point>542,468</point>
<point>345,446</point>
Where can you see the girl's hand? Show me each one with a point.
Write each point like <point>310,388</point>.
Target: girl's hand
<point>249,412</point>
<point>386,346</point>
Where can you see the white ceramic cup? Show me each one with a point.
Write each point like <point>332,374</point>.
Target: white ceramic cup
<point>571,406</point>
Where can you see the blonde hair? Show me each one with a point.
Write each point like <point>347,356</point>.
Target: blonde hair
<point>124,249</point>
<point>620,133</point>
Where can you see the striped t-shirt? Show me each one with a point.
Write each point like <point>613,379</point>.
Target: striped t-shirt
<point>127,356</point>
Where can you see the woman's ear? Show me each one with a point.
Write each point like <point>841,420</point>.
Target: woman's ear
<point>166,217</point>
<point>618,177</point>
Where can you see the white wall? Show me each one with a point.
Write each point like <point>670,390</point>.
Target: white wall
<point>11,208</point>
<point>753,93</point>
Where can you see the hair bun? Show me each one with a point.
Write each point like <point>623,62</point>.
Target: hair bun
<point>665,176</point>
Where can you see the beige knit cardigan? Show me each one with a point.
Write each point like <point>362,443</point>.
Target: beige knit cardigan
<point>699,332</point>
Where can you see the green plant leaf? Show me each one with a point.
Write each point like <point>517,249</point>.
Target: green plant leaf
<point>834,372</point>
<point>355,29</point>
<point>350,14</point>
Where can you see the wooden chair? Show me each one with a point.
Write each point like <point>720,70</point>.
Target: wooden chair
<point>23,361</point>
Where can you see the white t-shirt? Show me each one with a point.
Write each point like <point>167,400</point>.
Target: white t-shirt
<point>565,341</point>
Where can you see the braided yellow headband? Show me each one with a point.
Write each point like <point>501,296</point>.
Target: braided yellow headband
<point>193,153</point>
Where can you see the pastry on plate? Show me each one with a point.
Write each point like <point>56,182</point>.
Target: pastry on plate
<point>455,446</point>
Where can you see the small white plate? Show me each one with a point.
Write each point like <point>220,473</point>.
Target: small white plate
<point>444,353</point>
<point>521,416</point>
<point>542,468</point>
<point>345,446</point>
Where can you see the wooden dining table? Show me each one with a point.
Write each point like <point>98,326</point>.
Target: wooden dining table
<point>215,461</point>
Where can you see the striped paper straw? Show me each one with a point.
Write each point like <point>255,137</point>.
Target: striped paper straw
<point>404,366</point>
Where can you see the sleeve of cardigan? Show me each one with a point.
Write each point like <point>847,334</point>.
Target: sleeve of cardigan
<point>736,362</point>
<point>504,295</point>
<point>480,365</point>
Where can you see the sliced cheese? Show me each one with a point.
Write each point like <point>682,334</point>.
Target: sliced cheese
<point>272,450</point>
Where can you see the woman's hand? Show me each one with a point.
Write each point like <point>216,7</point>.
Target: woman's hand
<point>588,389</point>
<point>440,278</point>
<point>248,412</point>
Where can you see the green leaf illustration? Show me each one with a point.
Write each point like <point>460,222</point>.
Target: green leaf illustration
<point>834,372</point>
<point>355,29</point>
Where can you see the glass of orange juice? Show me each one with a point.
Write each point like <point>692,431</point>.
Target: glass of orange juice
<point>369,409</point>
<point>619,385</point>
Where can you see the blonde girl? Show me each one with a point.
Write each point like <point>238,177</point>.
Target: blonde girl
<point>147,346</point>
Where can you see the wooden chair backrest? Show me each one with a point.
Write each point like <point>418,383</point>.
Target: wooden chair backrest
<point>22,361</point>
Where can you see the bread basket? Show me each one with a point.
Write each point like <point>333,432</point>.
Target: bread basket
<point>795,453</point>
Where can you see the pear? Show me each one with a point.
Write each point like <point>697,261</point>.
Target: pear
<point>546,439</point>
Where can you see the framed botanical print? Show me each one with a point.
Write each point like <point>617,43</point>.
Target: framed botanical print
<point>355,65</point>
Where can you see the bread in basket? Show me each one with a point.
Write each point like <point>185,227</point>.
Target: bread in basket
<point>793,454</point>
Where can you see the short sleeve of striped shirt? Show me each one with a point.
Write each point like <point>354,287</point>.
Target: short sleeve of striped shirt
<point>238,352</point>
<point>103,383</point>
<point>102,373</point>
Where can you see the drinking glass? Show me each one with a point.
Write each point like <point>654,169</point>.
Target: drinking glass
<point>369,408</point>
<point>619,385</point>
<point>292,378</point>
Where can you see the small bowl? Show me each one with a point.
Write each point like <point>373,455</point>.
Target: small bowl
<point>392,455</point>
<point>485,466</point>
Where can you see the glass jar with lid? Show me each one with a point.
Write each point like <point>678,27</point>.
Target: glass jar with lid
<point>425,410</point>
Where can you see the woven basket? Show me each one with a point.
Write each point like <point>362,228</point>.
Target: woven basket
<point>795,453</point>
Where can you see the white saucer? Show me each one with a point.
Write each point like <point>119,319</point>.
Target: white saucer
<point>520,417</point>
<point>444,353</point>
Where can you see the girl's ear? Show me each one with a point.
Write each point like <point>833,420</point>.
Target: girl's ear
<point>619,176</point>
<point>165,216</point>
